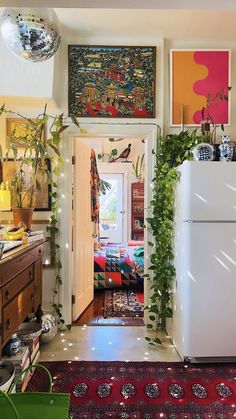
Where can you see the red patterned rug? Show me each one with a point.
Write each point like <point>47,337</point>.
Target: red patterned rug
<point>123,303</point>
<point>148,390</point>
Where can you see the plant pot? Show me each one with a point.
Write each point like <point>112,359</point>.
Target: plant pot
<point>23,215</point>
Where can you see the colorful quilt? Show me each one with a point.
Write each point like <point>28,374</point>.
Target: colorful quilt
<point>113,268</point>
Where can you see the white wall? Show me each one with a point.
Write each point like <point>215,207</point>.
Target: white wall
<point>21,78</point>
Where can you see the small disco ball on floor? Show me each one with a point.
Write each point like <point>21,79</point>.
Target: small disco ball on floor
<point>31,33</point>
<point>49,327</point>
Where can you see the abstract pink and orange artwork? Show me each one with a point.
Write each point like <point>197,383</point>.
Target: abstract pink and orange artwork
<point>196,74</point>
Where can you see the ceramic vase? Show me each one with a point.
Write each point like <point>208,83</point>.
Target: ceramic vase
<point>204,152</point>
<point>226,149</point>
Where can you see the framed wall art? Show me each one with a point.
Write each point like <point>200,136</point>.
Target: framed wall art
<point>112,81</point>
<point>18,128</point>
<point>199,79</point>
<point>8,170</point>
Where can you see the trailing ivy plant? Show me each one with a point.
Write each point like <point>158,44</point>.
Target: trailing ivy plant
<point>171,151</point>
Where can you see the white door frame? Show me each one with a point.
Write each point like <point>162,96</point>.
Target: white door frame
<point>147,131</point>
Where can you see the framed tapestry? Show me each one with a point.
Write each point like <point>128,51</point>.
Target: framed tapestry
<point>199,85</point>
<point>112,81</point>
<point>8,169</point>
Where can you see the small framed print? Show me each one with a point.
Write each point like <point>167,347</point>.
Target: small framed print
<point>8,170</point>
<point>18,129</point>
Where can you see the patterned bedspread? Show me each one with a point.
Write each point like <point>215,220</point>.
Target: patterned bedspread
<point>114,267</point>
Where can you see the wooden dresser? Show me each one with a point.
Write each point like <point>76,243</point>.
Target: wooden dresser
<point>20,287</point>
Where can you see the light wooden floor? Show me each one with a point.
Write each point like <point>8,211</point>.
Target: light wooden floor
<point>93,315</point>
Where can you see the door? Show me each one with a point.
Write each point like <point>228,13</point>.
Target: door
<point>83,289</point>
<point>111,208</point>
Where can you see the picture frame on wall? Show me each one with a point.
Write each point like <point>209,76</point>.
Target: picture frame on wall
<point>112,81</point>
<point>20,128</point>
<point>8,169</point>
<point>200,81</point>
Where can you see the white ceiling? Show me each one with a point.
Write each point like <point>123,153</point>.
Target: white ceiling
<point>150,23</point>
<point>126,4</point>
<point>85,23</point>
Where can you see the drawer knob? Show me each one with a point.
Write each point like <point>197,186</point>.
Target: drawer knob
<point>30,274</point>
<point>7,295</point>
<point>32,297</point>
<point>8,324</point>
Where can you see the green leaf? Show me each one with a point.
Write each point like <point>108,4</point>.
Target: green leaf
<point>152,318</point>
<point>157,340</point>
<point>149,326</point>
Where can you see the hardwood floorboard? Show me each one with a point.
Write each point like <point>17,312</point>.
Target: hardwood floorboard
<point>93,315</point>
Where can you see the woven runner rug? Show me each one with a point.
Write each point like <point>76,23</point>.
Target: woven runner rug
<point>123,303</point>
<point>148,390</point>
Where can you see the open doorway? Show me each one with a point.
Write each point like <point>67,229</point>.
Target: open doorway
<point>118,226</point>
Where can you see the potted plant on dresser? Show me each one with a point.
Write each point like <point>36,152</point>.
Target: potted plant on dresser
<point>31,154</point>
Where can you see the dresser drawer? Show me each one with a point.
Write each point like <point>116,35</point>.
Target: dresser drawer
<point>16,265</point>
<point>17,310</point>
<point>19,282</point>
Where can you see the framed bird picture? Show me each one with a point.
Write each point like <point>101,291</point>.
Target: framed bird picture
<point>112,81</point>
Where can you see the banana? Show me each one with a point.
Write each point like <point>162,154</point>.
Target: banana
<point>14,235</point>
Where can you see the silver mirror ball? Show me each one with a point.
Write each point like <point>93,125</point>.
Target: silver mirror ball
<point>32,34</point>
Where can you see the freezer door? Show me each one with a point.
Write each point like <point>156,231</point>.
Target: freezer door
<point>207,292</point>
<point>207,191</point>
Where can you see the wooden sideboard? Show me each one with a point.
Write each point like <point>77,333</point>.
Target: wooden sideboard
<point>20,287</point>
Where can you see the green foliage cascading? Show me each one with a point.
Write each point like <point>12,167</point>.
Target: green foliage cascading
<point>171,151</point>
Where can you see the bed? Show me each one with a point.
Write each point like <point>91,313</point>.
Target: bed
<point>118,266</point>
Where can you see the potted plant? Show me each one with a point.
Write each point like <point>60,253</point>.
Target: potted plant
<point>31,153</point>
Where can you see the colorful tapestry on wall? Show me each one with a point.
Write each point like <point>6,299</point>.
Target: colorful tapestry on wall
<point>107,81</point>
<point>199,79</point>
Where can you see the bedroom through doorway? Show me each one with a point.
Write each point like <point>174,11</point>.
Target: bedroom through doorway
<point>118,166</point>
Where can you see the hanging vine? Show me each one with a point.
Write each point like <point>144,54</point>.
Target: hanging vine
<point>171,151</point>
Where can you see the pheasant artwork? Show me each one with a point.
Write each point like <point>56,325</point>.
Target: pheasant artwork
<point>124,155</point>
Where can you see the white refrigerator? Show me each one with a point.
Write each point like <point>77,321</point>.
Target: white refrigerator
<point>203,327</point>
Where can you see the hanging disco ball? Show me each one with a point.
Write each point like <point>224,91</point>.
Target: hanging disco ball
<point>31,34</point>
